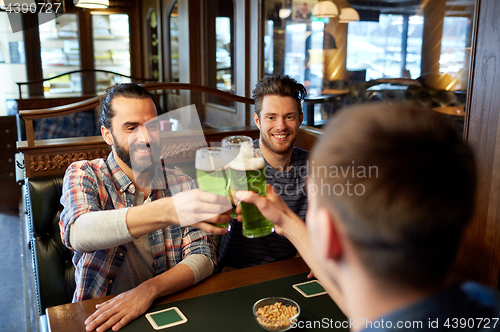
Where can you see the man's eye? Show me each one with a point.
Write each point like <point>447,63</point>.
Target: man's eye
<point>153,127</point>
<point>270,117</point>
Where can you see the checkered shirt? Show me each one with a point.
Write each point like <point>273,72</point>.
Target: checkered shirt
<point>100,184</point>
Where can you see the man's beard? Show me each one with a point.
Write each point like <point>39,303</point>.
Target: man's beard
<point>270,146</point>
<point>124,155</point>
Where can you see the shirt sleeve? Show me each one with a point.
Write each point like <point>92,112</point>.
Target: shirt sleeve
<point>89,233</point>
<point>201,265</point>
<point>196,241</point>
<point>80,196</point>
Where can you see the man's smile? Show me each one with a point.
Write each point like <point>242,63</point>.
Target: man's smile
<point>142,150</point>
<point>280,137</point>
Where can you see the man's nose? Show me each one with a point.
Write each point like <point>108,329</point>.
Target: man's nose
<point>144,135</point>
<point>281,124</point>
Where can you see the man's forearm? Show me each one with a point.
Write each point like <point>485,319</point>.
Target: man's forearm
<point>175,279</point>
<point>298,235</point>
<point>147,218</point>
<point>105,229</point>
<point>296,232</point>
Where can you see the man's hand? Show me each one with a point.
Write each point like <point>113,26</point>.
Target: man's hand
<point>199,208</point>
<point>271,206</point>
<point>210,228</point>
<point>193,207</point>
<point>120,310</point>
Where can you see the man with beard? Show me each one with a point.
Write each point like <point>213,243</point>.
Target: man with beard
<point>278,115</point>
<point>122,215</point>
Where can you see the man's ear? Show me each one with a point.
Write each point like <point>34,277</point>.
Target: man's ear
<point>332,245</point>
<point>107,136</point>
<point>301,118</point>
<point>256,120</point>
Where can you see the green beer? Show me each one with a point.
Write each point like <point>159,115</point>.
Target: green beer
<point>231,147</point>
<point>213,182</point>
<point>250,174</point>
<point>210,180</point>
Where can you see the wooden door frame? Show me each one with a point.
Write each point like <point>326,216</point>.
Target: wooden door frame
<point>478,257</point>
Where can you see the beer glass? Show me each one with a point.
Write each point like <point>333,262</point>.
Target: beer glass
<point>247,172</point>
<point>231,146</point>
<point>234,142</point>
<point>210,164</point>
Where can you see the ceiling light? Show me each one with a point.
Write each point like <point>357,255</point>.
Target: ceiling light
<point>285,12</point>
<point>97,4</point>
<point>348,15</point>
<point>325,9</point>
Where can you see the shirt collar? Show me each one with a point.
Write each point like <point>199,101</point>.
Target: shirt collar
<point>293,157</point>
<point>119,177</point>
<point>123,182</point>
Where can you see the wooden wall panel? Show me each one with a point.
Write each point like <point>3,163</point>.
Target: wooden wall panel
<point>33,56</point>
<point>479,255</point>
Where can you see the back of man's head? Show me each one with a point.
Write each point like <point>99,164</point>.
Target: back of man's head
<point>403,183</point>
<point>278,85</point>
<point>127,90</point>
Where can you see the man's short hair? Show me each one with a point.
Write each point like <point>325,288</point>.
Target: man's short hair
<point>412,183</point>
<point>278,85</point>
<point>127,90</point>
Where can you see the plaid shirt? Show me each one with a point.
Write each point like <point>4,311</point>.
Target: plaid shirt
<point>100,184</point>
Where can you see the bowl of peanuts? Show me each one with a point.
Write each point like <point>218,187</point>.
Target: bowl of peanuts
<point>276,313</point>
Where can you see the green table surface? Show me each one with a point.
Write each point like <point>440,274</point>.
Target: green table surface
<point>231,310</point>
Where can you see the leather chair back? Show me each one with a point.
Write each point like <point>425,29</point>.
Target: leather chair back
<point>54,272</point>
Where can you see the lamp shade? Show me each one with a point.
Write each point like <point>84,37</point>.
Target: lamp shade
<point>285,12</point>
<point>348,15</point>
<point>91,3</point>
<point>325,9</point>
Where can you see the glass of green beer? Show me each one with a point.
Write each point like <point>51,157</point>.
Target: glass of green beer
<point>247,172</point>
<point>231,146</point>
<point>210,174</point>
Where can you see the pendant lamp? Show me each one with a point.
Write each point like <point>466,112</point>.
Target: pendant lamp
<point>96,4</point>
<point>325,9</point>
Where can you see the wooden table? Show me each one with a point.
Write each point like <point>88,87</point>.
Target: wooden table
<point>71,316</point>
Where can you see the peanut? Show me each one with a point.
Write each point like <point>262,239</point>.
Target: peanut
<point>277,311</point>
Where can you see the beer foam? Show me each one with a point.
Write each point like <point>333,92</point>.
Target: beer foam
<point>209,164</point>
<point>247,164</point>
<point>247,150</point>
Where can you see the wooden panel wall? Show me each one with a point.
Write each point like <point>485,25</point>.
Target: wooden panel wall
<point>10,190</point>
<point>479,254</point>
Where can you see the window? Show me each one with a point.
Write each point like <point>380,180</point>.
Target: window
<point>377,47</point>
<point>174,45</point>
<point>111,48</point>
<point>12,65</point>
<point>339,59</point>
<point>223,54</point>
<point>60,53</point>
<point>219,48</point>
